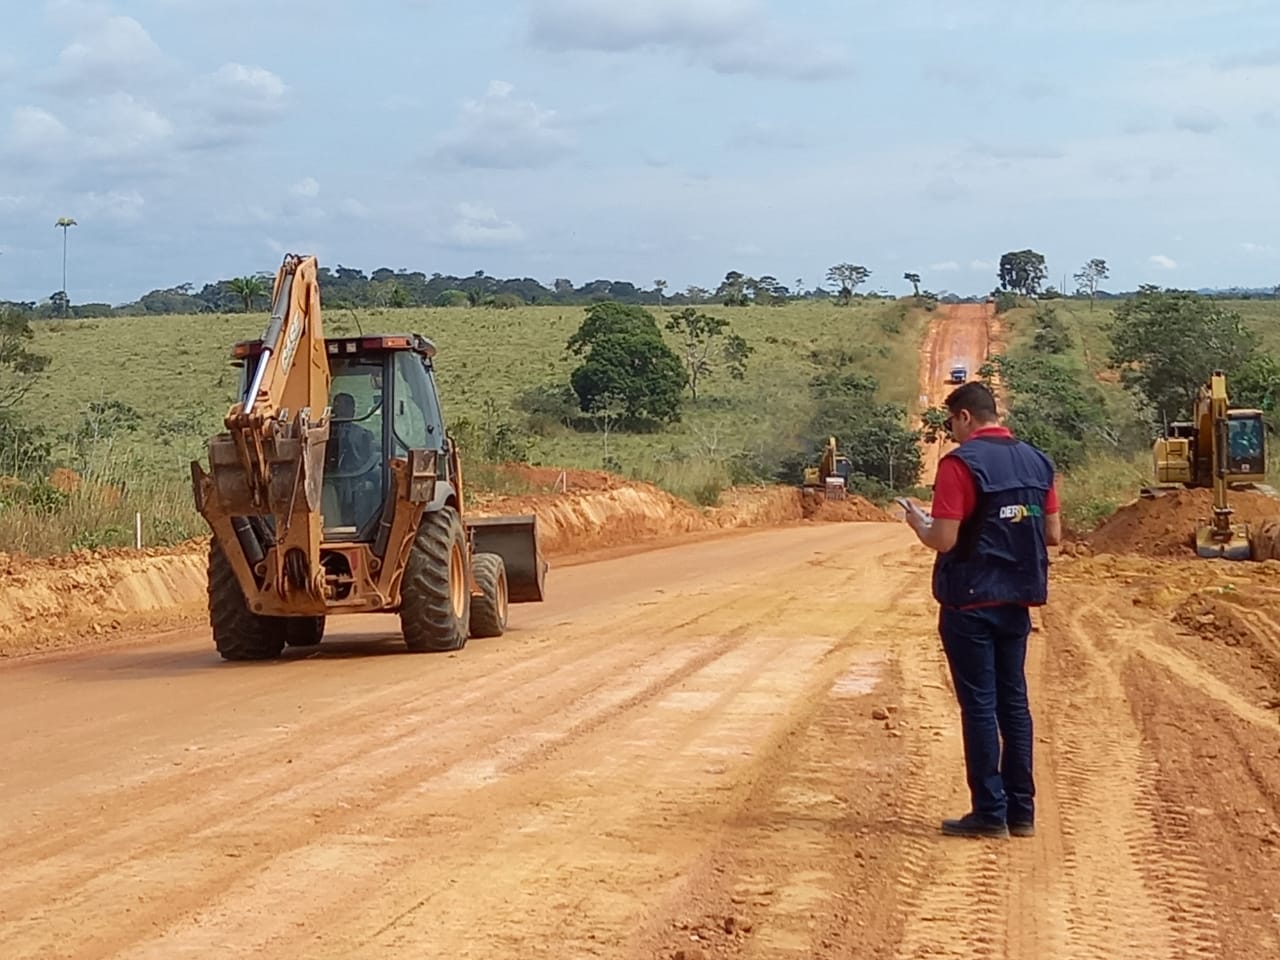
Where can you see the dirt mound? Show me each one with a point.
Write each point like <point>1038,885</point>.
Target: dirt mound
<point>42,601</point>
<point>852,509</point>
<point>1165,526</point>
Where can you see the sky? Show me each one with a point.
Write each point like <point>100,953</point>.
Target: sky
<point>194,140</point>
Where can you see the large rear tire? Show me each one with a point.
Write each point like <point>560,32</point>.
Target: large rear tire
<point>489,612</point>
<point>435,604</point>
<point>238,632</point>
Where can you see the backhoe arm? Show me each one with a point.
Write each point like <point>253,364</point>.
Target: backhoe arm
<point>270,461</point>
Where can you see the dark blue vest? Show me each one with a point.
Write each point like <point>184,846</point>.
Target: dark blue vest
<point>1000,555</point>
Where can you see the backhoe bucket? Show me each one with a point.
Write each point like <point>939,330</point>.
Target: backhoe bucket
<point>515,539</point>
<point>1212,545</point>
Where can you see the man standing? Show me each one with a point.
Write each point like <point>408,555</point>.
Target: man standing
<point>995,510</point>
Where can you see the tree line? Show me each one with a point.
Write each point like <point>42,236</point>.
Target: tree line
<point>1020,272</point>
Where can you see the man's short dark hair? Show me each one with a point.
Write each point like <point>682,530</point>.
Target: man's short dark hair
<point>977,398</point>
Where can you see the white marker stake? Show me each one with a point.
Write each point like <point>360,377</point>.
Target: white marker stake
<point>137,530</point>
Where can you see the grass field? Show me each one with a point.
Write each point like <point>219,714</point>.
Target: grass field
<point>175,372</point>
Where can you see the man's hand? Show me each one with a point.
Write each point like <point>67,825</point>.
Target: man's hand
<point>935,533</point>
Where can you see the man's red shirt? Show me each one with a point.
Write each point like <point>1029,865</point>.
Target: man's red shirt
<point>954,492</point>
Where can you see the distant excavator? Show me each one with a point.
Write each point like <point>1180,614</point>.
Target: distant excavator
<point>1222,448</point>
<point>831,475</point>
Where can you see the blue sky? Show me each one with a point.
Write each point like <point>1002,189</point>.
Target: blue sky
<point>200,139</point>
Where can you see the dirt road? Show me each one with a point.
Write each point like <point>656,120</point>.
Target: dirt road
<point>958,334</point>
<point>677,755</point>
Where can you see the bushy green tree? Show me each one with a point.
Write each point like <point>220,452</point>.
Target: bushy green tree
<point>626,365</point>
<point>1023,271</point>
<point>1166,343</point>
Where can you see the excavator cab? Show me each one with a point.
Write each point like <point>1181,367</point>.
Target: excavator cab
<point>1246,446</point>
<point>336,488</point>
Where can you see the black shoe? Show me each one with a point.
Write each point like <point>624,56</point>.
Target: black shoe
<point>972,825</point>
<point>1022,829</point>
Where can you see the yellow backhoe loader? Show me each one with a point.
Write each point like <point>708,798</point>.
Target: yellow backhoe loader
<point>831,475</point>
<point>1222,448</point>
<point>337,489</point>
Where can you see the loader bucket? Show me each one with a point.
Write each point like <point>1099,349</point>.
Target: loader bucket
<point>515,539</point>
<point>1235,547</point>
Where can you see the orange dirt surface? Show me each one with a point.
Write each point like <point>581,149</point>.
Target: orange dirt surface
<point>957,333</point>
<point>735,748</point>
<point>1165,526</point>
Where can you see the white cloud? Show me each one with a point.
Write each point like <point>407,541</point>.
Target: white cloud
<point>1163,262</point>
<point>306,187</point>
<point>501,131</point>
<point>775,54</point>
<point>1197,121</point>
<point>107,56</point>
<point>762,133</point>
<point>118,205</point>
<point>613,26</point>
<point>981,265</point>
<point>729,36</point>
<point>355,209</point>
<point>237,94</point>
<point>477,225</point>
<point>1258,249</point>
<point>119,126</point>
<point>947,266</point>
<point>33,130</point>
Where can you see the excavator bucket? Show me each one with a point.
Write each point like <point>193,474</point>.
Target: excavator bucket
<point>515,539</point>
<point>1212,545</point>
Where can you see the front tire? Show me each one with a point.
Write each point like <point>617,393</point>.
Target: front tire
<point>238,632</point>
<point>301,631</point>
<point>489,612</point>
<point>435,603</point>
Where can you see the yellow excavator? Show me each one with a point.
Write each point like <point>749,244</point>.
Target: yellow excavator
<point>831,475</point>
<point>1221,448</point>
<point>336,489</point>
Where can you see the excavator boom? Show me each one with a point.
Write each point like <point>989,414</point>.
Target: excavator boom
<point>1220,537</point>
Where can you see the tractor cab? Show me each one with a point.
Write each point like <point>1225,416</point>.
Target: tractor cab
<point>383,403</point>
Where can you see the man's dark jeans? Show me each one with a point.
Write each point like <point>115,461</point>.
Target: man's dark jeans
<point>987,651</point>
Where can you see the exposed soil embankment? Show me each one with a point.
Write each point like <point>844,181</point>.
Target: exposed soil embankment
<point>1165,526</point>
<point>86,594</point>
<point>51,602</point>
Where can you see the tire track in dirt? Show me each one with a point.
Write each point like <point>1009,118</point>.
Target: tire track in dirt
<point>1133,886</point>
<point>440,808</point>
<point>290,802</point>
<point>664,747</point>
<point>788,872</point>
<point>955,894</point>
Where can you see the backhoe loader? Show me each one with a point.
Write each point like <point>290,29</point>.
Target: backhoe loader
<point>337,489</point>
<point>1220,449</point>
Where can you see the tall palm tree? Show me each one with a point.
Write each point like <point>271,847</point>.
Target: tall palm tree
<point>249,289</point>
<point>64,223</point>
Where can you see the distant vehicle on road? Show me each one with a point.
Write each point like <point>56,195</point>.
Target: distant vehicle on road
<point>959,373</point>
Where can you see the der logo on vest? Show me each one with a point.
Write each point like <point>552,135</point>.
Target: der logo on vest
<point>1018,512</point>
